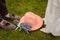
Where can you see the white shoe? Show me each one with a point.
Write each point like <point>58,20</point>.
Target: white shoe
<point>44,21</point>
<point>44,30</point>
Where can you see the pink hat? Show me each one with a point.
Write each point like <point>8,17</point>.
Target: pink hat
<point>35,20</point>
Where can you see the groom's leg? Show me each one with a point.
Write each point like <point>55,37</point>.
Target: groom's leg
<point>4,13</point>
<point>3,9</point>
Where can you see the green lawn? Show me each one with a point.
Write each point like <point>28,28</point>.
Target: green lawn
<point>20,7</point>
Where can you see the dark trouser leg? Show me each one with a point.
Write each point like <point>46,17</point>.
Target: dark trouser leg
<point>3,9</point>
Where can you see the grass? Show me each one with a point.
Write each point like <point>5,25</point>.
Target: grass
<point>20,7</point>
